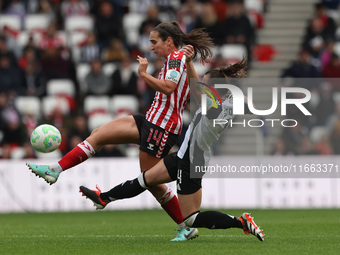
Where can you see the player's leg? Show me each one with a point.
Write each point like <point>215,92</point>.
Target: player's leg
<point>189,195</point>
<point>119,131</point>
<point>156,175</point>
<point>164,195</point>
<point>155,143</point>
<point>190,206</point>
<point>189,192</point>
<point>131,188</point>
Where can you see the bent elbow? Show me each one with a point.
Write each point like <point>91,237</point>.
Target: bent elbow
<point>169,90</point>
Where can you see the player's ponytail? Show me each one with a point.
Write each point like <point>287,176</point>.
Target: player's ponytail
<point>198,38</point>
<point>236,70</point>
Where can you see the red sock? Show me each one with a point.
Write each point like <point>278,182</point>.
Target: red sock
<point>77,155</point>
<point>169,203</point>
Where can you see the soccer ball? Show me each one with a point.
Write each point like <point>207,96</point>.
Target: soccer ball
<point>45,138</point>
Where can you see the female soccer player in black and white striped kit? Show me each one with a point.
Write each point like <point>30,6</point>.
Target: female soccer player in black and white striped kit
<point>199,137</point>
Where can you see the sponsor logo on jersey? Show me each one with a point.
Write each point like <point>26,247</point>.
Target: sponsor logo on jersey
<point>172,75</point>
<point>174,63</point>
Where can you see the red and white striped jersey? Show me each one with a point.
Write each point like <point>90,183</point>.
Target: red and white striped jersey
<point>166,111</point>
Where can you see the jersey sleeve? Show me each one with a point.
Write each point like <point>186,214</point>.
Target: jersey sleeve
<point>175,66</point>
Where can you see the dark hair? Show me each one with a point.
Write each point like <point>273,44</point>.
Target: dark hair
<point>236,70</point>
<point>198,38</point>
<point>231,72</point>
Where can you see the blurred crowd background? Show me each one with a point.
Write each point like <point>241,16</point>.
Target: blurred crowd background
<point>72,64</point>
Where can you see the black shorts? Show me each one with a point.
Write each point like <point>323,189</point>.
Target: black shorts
<point>179,170</point>
<point>154,140</point>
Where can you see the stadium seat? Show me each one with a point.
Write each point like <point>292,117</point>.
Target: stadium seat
<point>336,96</point>
<point>96,104</point>
<point>109,68</point>
<point>62,35</point>
<point>98,119</point>
<point>82,70</point>
<point>51,103</point>
<point>216,50</point>
<point>255,5</point>
<point>200,68</point>
<point>60,86</point>
<point>132,37</point>
<point>233,52</point>
<point>23,37</point>
<point>337,48</point>
<point>337,34</point>
<point>151,68</point>
<point>132,20</point>
<point>335,15</point>
<point>135,65</point>
<point>18,153</point>
<point>12,21</point>
<point>164,16</point>
<point>80,23</point>
<point>124,104</point>
<point>131,24</point>
<point>28,105</point>
<point>75,38</point>
<point>36,21</point>
<point>76,54</point>
<point>133,6</point>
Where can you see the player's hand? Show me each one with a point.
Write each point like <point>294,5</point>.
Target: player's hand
<point>188,51</point>
<point>143,65</point>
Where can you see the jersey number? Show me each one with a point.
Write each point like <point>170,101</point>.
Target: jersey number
<point>155,137</point>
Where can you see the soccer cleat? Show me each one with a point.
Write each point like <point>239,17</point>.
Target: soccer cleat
<point>250,227</point>
<point>44,172</point>
<point>94,195</point>
<point>185,234</point>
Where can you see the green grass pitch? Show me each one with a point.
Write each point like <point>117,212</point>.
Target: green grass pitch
<point>148,232</point>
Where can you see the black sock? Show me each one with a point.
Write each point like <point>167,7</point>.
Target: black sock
<point>126,189</point>
<point>216,220</point>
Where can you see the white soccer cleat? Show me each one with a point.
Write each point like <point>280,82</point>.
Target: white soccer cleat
<point>250,227</point>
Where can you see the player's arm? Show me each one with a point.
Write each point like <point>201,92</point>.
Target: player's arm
<point>188,51</point>
<point>164,86</point>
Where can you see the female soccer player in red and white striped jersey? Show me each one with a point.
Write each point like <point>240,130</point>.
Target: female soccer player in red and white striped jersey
<point>156,132</point>
<point>194,151</point>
